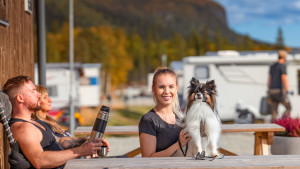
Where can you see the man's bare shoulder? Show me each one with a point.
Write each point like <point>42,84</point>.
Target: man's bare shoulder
<point>23,130</point>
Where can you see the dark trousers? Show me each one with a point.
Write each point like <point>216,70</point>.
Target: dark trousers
<point>278,96</point>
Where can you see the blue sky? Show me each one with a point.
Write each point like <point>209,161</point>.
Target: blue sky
<point>260,19</point>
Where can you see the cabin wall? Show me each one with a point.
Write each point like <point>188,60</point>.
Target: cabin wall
<point>16,51</point>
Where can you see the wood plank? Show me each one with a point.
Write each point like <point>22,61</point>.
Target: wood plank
<point>2,143</point>
<point>261,146</point>
<point>133,153</point>
<point>237,162</point>
<point>117,130</point>
<point>264,127</point>
<point>16,54</point>
<point>228,153</point>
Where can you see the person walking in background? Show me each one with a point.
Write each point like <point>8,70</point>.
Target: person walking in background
<point>159,134</point>
<point>278,86</point>
<point>64,138</point>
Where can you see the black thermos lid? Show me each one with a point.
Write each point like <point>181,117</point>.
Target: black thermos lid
<point>105,108</point>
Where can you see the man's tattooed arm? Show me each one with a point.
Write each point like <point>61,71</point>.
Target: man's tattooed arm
<point>71,142</point>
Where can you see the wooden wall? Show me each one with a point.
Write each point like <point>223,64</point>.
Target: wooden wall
<point>16,52</point>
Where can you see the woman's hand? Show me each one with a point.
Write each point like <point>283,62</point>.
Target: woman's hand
<point>184,137</point>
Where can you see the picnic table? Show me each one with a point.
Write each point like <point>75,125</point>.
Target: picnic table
<point>263,134</point>
<point>237,162</point>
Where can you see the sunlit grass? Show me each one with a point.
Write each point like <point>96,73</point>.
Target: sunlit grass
<point>128,116</point>
<point>118,117</point>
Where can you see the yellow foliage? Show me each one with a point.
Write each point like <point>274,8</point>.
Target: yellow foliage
<point>118,63</point>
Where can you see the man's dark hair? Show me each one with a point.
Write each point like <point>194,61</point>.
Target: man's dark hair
<point>15,82</point>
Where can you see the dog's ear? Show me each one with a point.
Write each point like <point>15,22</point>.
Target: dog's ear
<point>194,82</point>
<point>211,84</point>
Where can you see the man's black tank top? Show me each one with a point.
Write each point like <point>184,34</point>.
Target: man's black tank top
<point>48,142</point>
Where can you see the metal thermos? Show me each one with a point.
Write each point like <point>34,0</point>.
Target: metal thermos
<point>100,123</point>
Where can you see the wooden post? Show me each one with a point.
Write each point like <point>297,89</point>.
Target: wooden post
<point>4,149</point>
<point>261,146</point>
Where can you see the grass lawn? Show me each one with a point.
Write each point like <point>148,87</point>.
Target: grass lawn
<point>117,116</point>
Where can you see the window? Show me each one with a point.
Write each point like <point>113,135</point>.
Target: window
<point>201,72</point>
<point>28,6</point>
<point>52,91</point>
<point>3,13</point>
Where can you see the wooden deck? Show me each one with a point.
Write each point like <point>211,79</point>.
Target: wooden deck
<point>263,134</point>
<point>236,162</point>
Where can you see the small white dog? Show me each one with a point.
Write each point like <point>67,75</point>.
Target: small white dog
<point>202,120</point>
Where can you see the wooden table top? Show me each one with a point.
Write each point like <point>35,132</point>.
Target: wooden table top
<point>237,162</point>
<point>120,130</point>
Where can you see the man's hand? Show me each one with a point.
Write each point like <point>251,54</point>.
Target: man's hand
<point>90,147</point>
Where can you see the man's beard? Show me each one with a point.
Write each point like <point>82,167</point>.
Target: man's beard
<point>38,107</point>
<point>35,107</point>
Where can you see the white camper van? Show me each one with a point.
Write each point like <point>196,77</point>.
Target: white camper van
<point>87,91</point>
<point>241,78</point>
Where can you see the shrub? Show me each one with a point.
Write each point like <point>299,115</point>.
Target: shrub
<point>291,125</point>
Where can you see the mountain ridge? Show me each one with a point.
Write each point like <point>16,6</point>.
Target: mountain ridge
<point>166,17</point>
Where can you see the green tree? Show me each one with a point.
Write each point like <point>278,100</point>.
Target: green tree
<point>89,47</point>
<point>176,48</point>
<point>58,45</point>
<point>150,53</point>
<point>118,62</point>
<point>205,40</point>
<point>136,50</point>
<point>194,42</point>
<point>218,40</point>
<point>279,40</point>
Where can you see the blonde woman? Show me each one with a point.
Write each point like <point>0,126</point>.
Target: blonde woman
<point>62,137</point>
<point>159,134</point>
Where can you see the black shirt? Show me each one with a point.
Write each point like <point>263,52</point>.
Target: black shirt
<point>276,70</point>
<point>48,142</point>
<point>166,134</point>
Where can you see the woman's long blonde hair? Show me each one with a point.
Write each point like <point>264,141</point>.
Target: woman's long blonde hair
<point>175,105</point>
<point>36,115</point>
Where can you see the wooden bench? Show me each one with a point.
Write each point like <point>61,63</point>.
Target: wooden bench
<point>263,134</point>
<point>236,162</point>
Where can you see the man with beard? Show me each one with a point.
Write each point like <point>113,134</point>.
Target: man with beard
<point>34,137</point>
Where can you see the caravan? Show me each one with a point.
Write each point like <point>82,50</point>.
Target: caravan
<point>241,79</point>
<point>86,88</point>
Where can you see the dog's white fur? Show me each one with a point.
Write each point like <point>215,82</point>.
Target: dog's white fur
<point>201,112</point>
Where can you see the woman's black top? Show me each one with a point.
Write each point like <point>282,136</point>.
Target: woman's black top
<point>166,134</point>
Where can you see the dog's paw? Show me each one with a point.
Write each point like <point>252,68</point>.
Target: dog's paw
<point>200,156</point>
<point>216,154</point>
